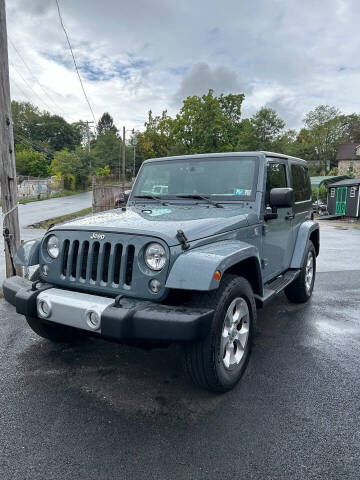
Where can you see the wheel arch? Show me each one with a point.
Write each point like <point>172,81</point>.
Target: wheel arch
<point>251,271</point>
<point>315,238</point>
<point>308,230</point>
<point>194,269</point>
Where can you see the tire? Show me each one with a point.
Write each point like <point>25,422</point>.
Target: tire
<point>217,362</point>
<point>53,332</point>
<point>301,289</point>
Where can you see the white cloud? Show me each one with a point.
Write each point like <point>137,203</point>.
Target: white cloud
<point>287,54</point>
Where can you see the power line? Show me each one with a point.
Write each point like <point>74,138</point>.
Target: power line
<point>20,89</point>
<point>34,145</point>
<point>73,57</point>
<point>35,78</point>
<point>30,87</point>
<point>27,140</point>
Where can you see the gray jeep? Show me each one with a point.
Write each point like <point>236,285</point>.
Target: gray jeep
<point>190,265</point>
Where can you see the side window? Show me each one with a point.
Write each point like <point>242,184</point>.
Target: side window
<point>276,178</point>
<point>301,183</point>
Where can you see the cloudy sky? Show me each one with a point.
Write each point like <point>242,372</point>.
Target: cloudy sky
<point>288,54</point>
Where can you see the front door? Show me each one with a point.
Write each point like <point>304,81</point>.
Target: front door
<point>341,198</point>
<point>278,240</point>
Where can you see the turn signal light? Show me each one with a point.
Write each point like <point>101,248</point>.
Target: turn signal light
<point>217,275</point>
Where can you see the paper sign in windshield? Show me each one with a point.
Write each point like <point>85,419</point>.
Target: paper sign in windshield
<point>159,211</point>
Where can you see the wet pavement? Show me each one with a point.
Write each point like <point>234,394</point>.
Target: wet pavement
<point>99,410</point>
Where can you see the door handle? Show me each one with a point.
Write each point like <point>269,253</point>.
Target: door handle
<point>290,216</point>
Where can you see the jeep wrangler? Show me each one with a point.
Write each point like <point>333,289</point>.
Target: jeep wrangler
<point>190,263</point>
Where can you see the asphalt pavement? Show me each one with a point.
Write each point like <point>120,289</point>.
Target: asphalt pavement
<point>99,410</point>
<point>34,212</point>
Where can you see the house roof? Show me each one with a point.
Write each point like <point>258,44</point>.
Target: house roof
<point>347,151</point>
<point>350,181</point>
<point>316,182</point>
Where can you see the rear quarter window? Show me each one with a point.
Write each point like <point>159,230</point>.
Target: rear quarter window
<point>301,183</point>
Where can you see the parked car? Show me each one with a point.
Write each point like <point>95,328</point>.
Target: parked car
<point>320,207</point>
<point>190,266</point>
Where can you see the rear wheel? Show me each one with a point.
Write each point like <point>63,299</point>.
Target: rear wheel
<point>301,289</point>
<point>218,362</point>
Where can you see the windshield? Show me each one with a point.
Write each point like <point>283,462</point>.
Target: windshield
<point>229,177</point>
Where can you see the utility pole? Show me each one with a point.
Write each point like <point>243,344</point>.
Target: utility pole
<point>123,159</point>
<point>134,143</point>
<point>11,230</point>
<point>88,138</point>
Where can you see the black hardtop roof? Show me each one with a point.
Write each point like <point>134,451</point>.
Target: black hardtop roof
<point>350,181</point>
<point>259,153</point>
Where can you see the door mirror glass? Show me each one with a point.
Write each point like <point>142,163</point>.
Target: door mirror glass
<point>281,197</point>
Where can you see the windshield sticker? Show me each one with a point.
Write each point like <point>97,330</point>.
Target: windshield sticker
<point>239,191</point>
<point>247,193</point>
<point>156,212</point>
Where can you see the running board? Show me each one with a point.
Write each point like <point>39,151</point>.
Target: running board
<point>273,288</point>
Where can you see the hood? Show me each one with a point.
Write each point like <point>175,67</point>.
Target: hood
<point>196,221</point>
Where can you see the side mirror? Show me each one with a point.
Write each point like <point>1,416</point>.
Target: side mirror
<point>281,197</point>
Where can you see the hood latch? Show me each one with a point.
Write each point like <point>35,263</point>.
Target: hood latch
<point>185,245</point>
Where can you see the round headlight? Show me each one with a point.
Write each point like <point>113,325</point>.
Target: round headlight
<point>52,246</point>
<point>155,256</point>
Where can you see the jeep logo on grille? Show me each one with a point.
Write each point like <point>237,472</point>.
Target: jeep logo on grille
<point>97,236</point>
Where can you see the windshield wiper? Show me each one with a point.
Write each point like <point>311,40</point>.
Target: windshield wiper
<point>201,197</point>
<point>151,197</point>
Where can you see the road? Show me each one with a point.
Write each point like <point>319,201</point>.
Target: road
<point>99,410</point>
<point>34,212</point>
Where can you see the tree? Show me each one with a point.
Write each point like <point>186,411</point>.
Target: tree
<point>267,125</point>
<point>326,128</point>
<point>208,123</point>
<point>353,127</point>
<point>106,150</point>
<point>106,124</point>
<point>157,140</point>
<point>69,166</point>
<point>263,131</point>
<point>31,163</point>
<point>43,130</point>
<point>23,115</point>
<point>54,131</point>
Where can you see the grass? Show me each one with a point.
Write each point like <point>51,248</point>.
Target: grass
<point>64,218</point>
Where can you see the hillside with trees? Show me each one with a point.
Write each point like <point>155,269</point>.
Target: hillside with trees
<point>47,144</point>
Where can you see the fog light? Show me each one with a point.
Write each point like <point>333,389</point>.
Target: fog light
<point>93,319</point>
<point>155,285</point>
<point>44,309</point>
<point>45,270</point>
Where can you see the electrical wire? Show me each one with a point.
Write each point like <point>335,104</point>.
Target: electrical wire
<point>73,57</point>
<point>34,145</point>
<point>29,141</point>
<point>35,78</point>
<point>30,87</point>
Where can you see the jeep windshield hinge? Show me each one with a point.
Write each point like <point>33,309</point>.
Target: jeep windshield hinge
<point>182,239</point>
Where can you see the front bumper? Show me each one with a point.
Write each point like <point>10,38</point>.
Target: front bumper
<point>126,320</point>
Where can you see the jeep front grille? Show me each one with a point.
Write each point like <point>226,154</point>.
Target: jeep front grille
<point>96,263</point>
<point>111,266</point>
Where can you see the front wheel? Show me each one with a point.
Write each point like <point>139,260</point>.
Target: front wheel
<point>301,289</point>
<point>218,362</point>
